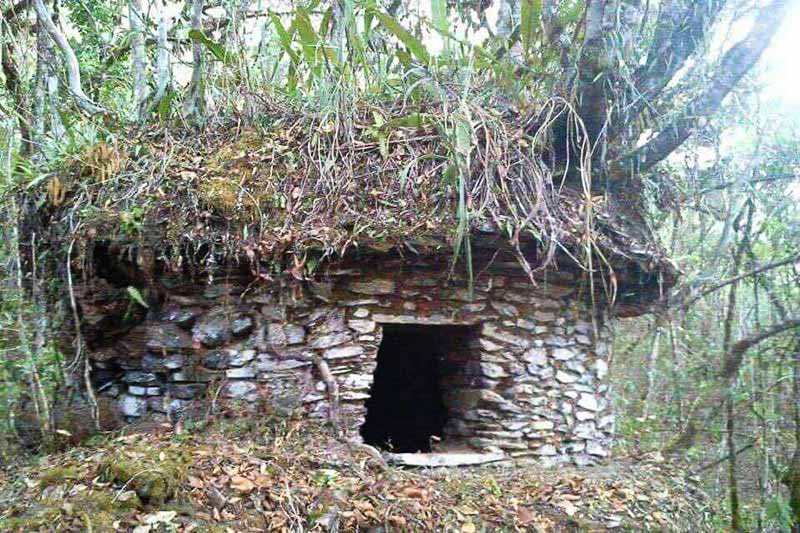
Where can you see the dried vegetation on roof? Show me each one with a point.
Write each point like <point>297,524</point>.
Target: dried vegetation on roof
<point>310,185</point>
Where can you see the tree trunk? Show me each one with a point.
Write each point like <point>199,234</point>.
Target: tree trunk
<point>195,101</point>
<point>792,477</point>
<point>733,484</point>
<point>135,10</point>
<point>163,70</point>
<point>651,372</point>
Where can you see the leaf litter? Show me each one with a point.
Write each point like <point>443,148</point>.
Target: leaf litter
<point>293,475</point>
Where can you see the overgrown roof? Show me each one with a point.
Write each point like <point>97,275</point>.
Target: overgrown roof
<point>311,185</point>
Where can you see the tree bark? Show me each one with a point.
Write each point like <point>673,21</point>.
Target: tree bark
<point>792,477</point>
<point>195,101</point>
<point>138,53</point>
<point>163,71</point>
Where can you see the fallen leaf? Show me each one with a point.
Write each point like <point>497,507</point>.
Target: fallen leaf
<point>242,484</point>
<point>525,516</point>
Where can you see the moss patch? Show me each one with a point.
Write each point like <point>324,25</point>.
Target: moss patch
<point>58,475</point>
<point>154,475</point>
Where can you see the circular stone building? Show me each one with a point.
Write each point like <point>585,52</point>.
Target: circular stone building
<point>235,274</point>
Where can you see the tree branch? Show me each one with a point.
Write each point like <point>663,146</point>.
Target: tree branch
<point>738,350</point>
<point>70,61</point>
<point>16,10</point>
<point>735,63</point>
<point>681,26</point>
<point>758,270</point>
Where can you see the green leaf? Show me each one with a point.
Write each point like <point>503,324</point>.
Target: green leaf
<point>412,43</point>
<point>463,135</point>
<point>165,105</point>
<point>215,48</point>
<point>285,38</point>
<point>325,25</point>
<point>383,145</point>
<point>531,10</point>
<point>136,296</point>
<point>412,120</point>
<point>308,37</point>
<point>404,58</point>
<point>439,15</point>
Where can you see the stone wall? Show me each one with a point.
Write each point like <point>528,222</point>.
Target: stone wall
<point>532,382</point>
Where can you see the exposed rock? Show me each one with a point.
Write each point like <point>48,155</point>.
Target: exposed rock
<point>223,289</point>
<point>186,391</point>
<point>518,383</point>
<point>578,368</point>
<point>595,448</point>
<point>240,390</point>
<point>193,373</point>
<point>606,422</point>
<point>217,359</point>
<point>462,295</point>
<point>241,325</point>
<point>142,378</point>
<point>343,352</point>
<point>488,345</point>
<point>542,425</point>
<point>495,333</point>
<point>504,308</point>
<point>377,286</point>
<point>241,372</point>
<point>274,312</point>
<point>361,326</point>
<point>535,356</point>
<point>138,390</point>
<point>601,368</point>
<point>167,337</point>
<point>161,363</point>
<point>564,377</point>
<point>327,341</point>
<point>563,354</point>
<point>361,312</point>
<point>546,450</point>
<point>183,316</point>
<point>526,324</point>
<point>132,405</point>
<point>295,334</point>
<point>270,366</point>
<point>162,405</point>
<point>544,316</point>
<point>240,358</point>
<point>588,402</point>
<point>213,329</point>
<point>493,371</point>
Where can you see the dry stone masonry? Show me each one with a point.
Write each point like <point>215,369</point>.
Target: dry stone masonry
<point>527,378</point>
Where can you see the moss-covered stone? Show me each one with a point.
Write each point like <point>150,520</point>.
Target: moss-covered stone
<point>57,476</point>
<point>154,475</point>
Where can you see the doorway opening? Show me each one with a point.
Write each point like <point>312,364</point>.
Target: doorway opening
<point>407,408</point>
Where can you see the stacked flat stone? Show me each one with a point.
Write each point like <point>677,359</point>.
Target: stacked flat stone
<point>529,383</point>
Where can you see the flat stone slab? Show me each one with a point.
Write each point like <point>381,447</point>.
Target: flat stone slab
<point>443,459</point>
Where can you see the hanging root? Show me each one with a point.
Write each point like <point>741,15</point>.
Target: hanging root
<point>332,388</point>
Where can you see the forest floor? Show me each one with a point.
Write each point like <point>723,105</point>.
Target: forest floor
<point>240,474</point>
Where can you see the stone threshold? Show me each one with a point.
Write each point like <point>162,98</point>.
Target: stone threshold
<point>432,460</point>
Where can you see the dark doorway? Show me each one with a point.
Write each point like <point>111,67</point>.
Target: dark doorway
<point>406,408</point>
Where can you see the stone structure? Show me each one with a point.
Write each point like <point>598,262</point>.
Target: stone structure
<point>513,366</point>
